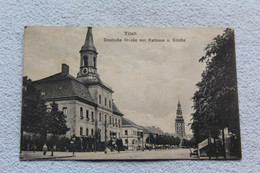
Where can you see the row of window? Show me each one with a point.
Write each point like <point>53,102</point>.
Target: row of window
<point>87,115</point>
<point>116,134</point>
<point>134,133</point>
<point>114,121</point>
<point>105,101</point>
<point>87,132</point>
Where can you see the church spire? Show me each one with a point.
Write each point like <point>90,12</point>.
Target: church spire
<point>179,111</point>
<point>88,61</point>
<point>179,122</point>
<point>89,43</point>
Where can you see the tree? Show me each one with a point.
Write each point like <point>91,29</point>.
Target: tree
<point>56,123</point>
<point>215,102</point>
<point>33,110</point>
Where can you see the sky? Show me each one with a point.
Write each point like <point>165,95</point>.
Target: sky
<point>147,78</point>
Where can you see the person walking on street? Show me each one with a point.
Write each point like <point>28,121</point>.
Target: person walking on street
<point>44,148</point>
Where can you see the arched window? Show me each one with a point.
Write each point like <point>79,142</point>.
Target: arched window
<point>85,61</point>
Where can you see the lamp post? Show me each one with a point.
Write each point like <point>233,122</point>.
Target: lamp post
<point>149,141</point>
<point>127,140</point>
<point>142,135</point>
<point>106,126</point>
<point>73,138</point>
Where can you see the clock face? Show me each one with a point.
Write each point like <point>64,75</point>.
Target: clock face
<point>84,70</point>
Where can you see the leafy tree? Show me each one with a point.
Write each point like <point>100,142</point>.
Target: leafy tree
<point>56,123</point>
<point>33,110</point>
<point>215,102</point>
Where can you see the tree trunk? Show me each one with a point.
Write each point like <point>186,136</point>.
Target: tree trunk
<point>215,148</point>
<point>224,144</point>
<point>52,148</point>
<point>209,146</point>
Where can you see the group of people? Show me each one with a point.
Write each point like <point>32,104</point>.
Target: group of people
<point>115,144</point>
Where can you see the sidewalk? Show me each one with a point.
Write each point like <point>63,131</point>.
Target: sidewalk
<point>38,155</point>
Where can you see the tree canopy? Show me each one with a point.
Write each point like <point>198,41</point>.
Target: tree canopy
<point>33,108</point>
<point>215,103</point>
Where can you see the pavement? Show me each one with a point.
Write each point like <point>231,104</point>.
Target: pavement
<point>170,154</point>
<point>38,155</point>
<point>123,155</point>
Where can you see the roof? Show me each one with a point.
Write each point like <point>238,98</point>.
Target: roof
<point>145,130</point>
<point>153,129</point>
<point>63,85</point>
<point>89,43</point>
<point>116,110</point>
<point>126,121</point>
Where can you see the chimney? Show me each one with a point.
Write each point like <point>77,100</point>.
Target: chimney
<point>65,68</point>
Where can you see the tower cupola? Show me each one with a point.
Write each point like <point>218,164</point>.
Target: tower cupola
<point>88,61</point>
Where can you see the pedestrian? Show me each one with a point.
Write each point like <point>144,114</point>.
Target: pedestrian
<point>34,148</point>
<point>44,148</point>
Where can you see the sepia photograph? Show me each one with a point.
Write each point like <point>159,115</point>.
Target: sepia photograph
<point>129,93</point>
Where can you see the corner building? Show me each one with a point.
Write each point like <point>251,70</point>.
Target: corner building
<point>85,100</point>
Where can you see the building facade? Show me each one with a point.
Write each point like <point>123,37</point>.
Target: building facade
<point>132,135</point>
<point>85,100</point>
<point>179,122</point>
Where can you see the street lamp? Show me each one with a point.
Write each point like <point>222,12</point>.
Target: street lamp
<point>106,126</point>
<point>73,138</point>
<point>127,140</point>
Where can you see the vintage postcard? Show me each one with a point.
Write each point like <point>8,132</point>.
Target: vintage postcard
<point>114,93</point>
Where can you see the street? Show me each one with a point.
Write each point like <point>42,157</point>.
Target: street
<point>123,155</point>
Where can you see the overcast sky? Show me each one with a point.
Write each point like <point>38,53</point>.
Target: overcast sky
<point>148,78</point>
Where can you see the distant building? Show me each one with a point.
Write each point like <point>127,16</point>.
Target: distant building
<point>85,100</point>
<point>154,130</point>
<point>179,123</point>
<point>151,131</point>
<point>132,135</point>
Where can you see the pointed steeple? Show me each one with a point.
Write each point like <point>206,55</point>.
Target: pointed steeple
<point>89,43</point>
<point>88,61</point>
<point>179,122</point>
<point>179,111</point>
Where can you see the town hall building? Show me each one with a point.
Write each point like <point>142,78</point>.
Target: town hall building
<point>85,100</point>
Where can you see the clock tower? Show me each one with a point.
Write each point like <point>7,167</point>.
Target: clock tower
<point>88,61</point>
<point>179,122</point>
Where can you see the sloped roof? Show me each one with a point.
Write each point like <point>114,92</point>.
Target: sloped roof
<point>145,130</point>
<point>153,129</point>
<point>62,85</point>
<point>89,43</point>
<point>126,121</point>
<point>116,110</point>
